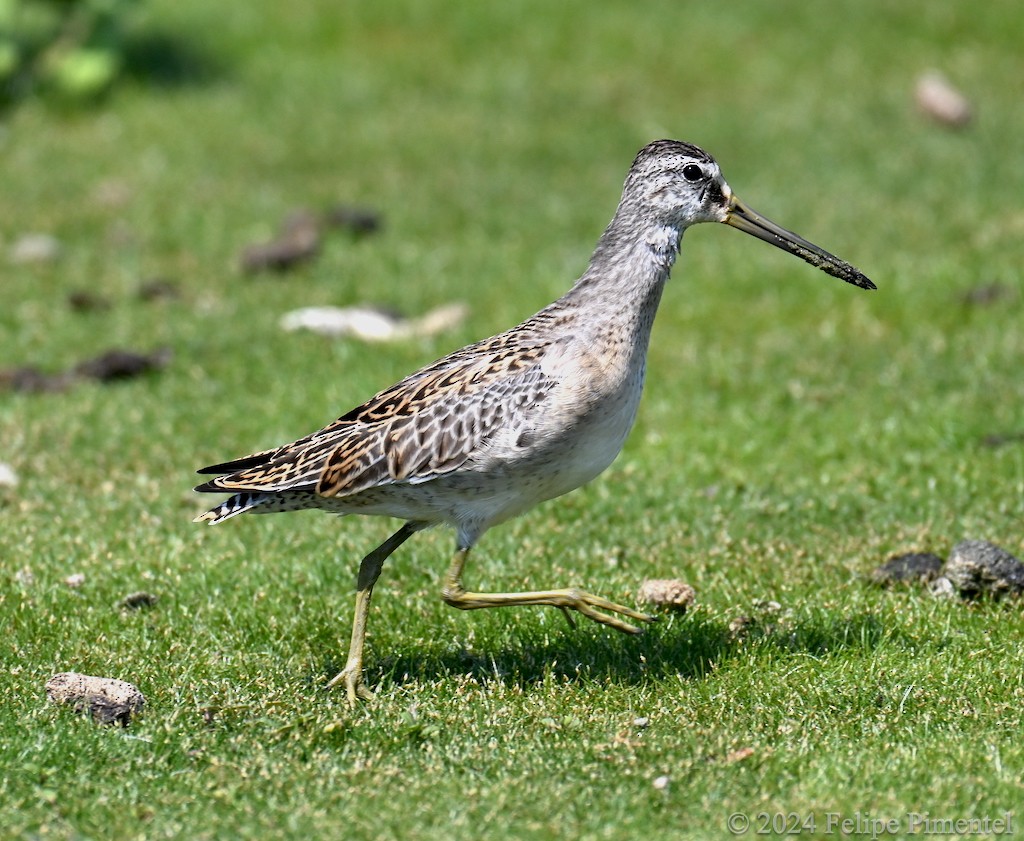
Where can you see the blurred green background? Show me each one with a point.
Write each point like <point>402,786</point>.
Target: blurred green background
<point>795,432</point>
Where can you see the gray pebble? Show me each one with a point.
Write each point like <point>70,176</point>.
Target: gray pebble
<point>977,566</point>
<point>137,601</point>
<point>909,568</point>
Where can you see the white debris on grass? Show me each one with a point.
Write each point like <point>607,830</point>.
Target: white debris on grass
<point>372,324</point>
<point>35,248</point>
<point>8,478</point>
<point>937,98</point>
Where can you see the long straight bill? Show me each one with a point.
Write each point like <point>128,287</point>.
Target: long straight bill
<point>749,221</point>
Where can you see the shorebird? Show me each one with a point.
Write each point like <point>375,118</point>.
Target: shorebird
<point>491,430</point>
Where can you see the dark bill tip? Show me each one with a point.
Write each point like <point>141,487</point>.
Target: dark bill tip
<point>742,217</point>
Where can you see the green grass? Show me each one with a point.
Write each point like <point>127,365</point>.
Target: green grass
<point>795,433</point>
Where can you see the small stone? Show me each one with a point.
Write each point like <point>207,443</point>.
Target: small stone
<point>35,248</point>
<point>82,300</point>
<point>360,221</point>
<point>1001,439</point>
<point>298,241</point>
<point>158,289</point>
<point>942,588</point>
<point>75,580</point>
<point>137,601</point>
<point>641,721</point>
<point>120,364</point>
<point>977,566</point>
<point>28,379</point>
<point>107,700</point>
<point>987,294</point>
<point>909,568</point>
<point>937,98</point>
<point>661,783</point>
<point>669,593</point>
<point>740,627</point>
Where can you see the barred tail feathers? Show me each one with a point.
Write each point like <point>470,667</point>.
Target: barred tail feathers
<point>232,507</point>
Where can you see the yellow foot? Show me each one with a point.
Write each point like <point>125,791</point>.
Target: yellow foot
<point>590,606</point>
<point>355,689</point>
<point>569,599</point>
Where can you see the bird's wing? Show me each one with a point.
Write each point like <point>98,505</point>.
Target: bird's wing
<point>428,424</point>
<point>434,428</point>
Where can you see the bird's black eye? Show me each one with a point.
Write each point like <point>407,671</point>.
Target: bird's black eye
<point>693,173</point>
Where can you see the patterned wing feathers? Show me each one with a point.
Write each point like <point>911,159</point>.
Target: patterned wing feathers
<point>428,424</point>
<point>438,438</point>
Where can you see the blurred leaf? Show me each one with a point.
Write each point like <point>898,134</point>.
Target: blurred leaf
<point>85,72</point>
<point>74,47</point>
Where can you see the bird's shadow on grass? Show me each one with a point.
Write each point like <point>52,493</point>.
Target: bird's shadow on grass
<point>690,648</point>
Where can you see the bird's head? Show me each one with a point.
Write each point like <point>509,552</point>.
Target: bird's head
<point>677,185</point>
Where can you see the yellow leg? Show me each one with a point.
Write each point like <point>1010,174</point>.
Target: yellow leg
<point>369,572</point>
<point>567,599</point>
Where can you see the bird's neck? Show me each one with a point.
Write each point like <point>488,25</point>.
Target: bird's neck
<point>626,275</point>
